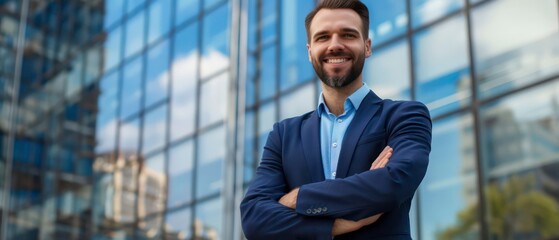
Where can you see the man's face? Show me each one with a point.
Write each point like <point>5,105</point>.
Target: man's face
<point>337,48</point>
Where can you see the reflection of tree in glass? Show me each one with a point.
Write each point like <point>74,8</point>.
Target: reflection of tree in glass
<point>516,209</point>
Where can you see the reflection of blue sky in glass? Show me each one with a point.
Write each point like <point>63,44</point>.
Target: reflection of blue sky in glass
<point>266,120</point>
<point>132,5</point>
<point>450,181</point>
<point>268,71</point>
<point>181,160</point>
<point>294,64</point>
<point>184,67</point>
<point>248,171</point>
<point>159,19</point>
<point>425,11</point>
<point>387,19</point>
<point>112,50</point>
<point>113,12</point>
<point>515,43</point>
<point>186,9</point>
<point>215,42</point>
<point>269,21</point>
<point>157,73</point>
<point>250,78</point>
<point>134,34</point>
<point>441,63</point>
<point>211,3</point>
<point>129,137</point>
<point>211,155</point>
<point>131,94</point>
<point>387,71</point>
<point>252,24</point>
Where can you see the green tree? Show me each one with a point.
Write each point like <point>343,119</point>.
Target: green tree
<point>515,208</point>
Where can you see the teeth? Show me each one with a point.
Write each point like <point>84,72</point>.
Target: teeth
<point>340,60</point>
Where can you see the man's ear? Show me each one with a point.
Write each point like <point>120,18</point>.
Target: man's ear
<point>309,52</point>
<point>368,50</point>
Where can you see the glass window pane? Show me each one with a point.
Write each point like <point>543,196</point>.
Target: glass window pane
<point>209,216</point>
<point>133,5</point>
<point>184,67</point>
<point>186,9</point>
<point>178,224</point>
<point>295,65</point>
<point>157,74</point>
<point>208,4</point>
<point>113,12</point>
<point>515,43</point>
<point>442,66</point>
<point>135,34</point>
<point>155,129</point>
<point>425,11</point>
<point>266,120</point>
<point>252,10</point>
<point>269,21</point>
<point>107,116</point>
<point>300,101</point>
<point>215,43</point>
<point>388,19</point>
<point>268,73</point>
<point>213,105</point>
<point>93,68</point>
<point>151,188</point>
<point>249,147</point>
<point>250,79</point>
<point>129,135</point>
<point>519,140</point>
<point>113,48</point>
<point>159,19</point>
<point>131,94</point>
<point>211,155</point>
<point>449,193</point>
<point>181,160</point>
<point>387,72</point>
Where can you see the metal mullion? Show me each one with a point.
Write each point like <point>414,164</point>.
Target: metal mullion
<point>484,231</point>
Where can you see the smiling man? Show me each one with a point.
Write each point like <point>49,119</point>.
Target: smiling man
<point>349,169</point>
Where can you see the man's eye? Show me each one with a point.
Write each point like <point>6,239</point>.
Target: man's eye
<point>349,36</point>
<point>321,38</point>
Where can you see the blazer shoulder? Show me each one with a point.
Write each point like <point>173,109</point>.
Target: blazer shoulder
<point>405,106</point>
<point>297,120</point>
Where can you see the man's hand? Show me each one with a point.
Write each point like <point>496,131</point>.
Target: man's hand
<point>382,158</point>
<point>290,200</point>
<point>342,226</point>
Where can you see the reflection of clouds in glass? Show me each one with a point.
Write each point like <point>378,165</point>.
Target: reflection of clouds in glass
<point>180,159</point>
<point>214,99</point>
<point>266,118</point>
<point>442,50</point>
<point>212,62</point>
<point>433,9</point>
<point>539,106</point>
<point>155,129</point>
<point>212,145</point>
<point>129,134</point>
<point>106,136</point>
<point>184,95</point>
<point>505,25</point>
<point>384,77</point>
<point>298,102</point>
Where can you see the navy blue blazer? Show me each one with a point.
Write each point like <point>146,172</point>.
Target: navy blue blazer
<point>292,159</point>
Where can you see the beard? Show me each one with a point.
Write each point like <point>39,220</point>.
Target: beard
<point>341,79</point>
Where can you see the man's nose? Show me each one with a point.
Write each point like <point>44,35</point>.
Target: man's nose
<point>335,44</point>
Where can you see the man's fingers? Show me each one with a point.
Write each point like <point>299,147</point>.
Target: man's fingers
<point>382,159</point>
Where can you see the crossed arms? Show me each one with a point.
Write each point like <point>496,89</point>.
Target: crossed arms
<point>271,210</point>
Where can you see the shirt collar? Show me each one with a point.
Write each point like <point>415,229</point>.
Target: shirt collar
<point>355,99</point>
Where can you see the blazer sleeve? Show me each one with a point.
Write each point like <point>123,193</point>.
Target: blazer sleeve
<point>380,190</point>
<point>262,216</point>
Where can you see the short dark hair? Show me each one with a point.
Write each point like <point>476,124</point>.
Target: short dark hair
<point>354,5</point>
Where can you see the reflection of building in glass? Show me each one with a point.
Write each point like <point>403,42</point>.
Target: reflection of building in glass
<point>145,119</point>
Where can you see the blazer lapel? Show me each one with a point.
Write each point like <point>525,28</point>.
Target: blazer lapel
<point>310,137</point>
<point>364,114</point>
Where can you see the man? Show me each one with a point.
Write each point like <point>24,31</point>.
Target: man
<point>317,178</point>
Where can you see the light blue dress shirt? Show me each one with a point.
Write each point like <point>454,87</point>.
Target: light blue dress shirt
<point>333,128</point>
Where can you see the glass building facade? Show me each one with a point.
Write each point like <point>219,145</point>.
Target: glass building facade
<point>145,119</point>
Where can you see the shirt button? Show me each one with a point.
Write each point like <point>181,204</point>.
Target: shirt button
<point>340,120</point>
<point>334,144</point>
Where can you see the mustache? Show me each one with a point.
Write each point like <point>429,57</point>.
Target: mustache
<point>336,54</point>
